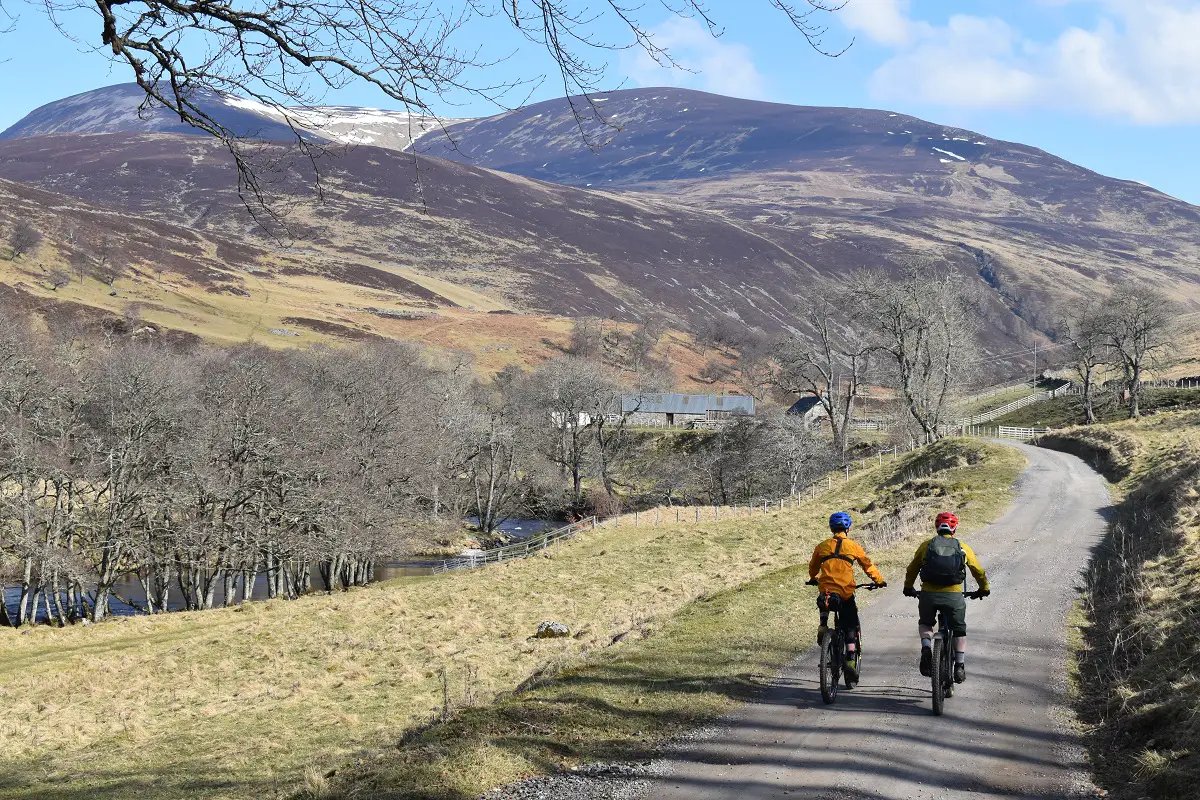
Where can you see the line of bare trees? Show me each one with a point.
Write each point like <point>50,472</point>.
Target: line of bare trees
<point>132,473</point>
<point>914,332</point>
<point>1131,331</point>
<point>194,473</point>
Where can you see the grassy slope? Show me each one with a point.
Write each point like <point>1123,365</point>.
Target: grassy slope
<point>719,650</point>
<point>1138,662</point>
<point>1067,410</point>
<point>238,703</point>
<point>977,405</point>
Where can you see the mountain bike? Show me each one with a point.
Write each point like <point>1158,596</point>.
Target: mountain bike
<point>941,670</point>
<point>833,644</point>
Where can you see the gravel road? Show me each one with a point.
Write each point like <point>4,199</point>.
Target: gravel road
<point>1007,732</point>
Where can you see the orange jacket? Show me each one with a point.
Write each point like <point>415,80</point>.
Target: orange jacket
<point>832,563</point>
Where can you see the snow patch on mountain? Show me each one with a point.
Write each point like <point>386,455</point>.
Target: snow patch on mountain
<point>122,108</point>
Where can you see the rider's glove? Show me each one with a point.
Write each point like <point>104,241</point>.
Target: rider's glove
<point>882,584</point>
<point>910,592</point>
<point>979,594</point>
<point>811,582</point>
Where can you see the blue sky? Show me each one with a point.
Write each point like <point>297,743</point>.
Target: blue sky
<point>1113,85</point>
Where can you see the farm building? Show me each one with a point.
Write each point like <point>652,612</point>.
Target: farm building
<point>683,410</point>
<point>809,408</point>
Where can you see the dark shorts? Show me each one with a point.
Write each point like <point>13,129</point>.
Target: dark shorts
<point>847,611</point>
<point>952,604</point>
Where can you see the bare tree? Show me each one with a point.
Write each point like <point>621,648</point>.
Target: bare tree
<point>643,340</point>
<point>22,239</point>
<point>571,399</point>
<point>1139,322</point>
<point>833,366</point>
<point>714,371</point>
<point>57,279</point>
<point>81,263</point>
<point>587,338</point>
<point>106,262</point>
<point>923,325</point>
<point>1084,329</point>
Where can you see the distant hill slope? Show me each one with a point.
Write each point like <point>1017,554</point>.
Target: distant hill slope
<point>1039,227</point>
<point>188,284</point>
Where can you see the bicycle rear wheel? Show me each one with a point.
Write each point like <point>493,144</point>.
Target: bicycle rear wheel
<point>935,674</point>
<point>829,667</point>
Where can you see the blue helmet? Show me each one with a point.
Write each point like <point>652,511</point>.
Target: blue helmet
<point>840,522</point>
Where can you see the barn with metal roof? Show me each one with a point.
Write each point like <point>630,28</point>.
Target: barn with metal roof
<point>682,410</point>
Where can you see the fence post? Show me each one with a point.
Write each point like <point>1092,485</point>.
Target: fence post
<point>635,519</point>
<point>656,515</point>
<point>717,513</point>
<point>697,514</point>
<point>676,515</point>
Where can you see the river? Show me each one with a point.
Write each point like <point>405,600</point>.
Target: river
<point>130,595</point>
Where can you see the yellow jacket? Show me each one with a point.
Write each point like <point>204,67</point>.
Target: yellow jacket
<point>833,560</point>
<point>914,569</point>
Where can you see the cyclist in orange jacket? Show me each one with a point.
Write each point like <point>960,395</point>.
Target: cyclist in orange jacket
<point>831,569</point>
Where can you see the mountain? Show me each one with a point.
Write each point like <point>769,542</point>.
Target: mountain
<point>118,109</point>
<point>688,205</point>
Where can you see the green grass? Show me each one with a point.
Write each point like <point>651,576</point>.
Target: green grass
<point>1067,410</point>
<point>718,651</point>
<point>257,701</point>
<point>971,407</point>
<point>1136,668</point>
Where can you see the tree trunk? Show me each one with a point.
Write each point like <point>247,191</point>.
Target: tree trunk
<point>24,607</point>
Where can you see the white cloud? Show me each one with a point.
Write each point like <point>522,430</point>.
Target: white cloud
<point>708,63</point>
<point>1137,62</point>
<point>882,21</point>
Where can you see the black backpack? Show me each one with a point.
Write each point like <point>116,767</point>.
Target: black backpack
<point>945,562</point>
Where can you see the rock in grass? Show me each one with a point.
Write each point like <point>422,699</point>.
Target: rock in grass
<point>552,630</point>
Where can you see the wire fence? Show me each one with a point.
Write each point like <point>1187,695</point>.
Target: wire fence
<point>672,515</point>
<point>523,549</point>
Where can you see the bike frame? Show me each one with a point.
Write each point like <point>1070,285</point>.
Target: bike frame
<point>941,674</point>
<point>834,649</point>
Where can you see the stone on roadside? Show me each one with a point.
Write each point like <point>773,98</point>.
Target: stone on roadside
<point>552,630</point>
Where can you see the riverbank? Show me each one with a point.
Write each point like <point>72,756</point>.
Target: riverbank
<point>241,702</point>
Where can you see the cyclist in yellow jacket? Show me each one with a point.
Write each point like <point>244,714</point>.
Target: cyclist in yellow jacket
<point>831,569</point>
<point>942,563</point>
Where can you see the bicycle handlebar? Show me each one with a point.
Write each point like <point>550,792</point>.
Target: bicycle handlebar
<point>968,595</point>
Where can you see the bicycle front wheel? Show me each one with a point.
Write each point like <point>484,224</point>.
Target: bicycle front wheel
<point>935,673</point>
<point>829,667</point>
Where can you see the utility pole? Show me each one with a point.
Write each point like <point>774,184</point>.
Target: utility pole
<point>1035,372</point>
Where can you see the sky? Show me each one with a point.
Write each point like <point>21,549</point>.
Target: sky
<point>1113,85</point>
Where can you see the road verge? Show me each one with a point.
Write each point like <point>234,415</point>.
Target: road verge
<point>1137,647</point>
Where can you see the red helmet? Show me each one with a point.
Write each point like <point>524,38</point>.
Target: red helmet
<point>946,523</point>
